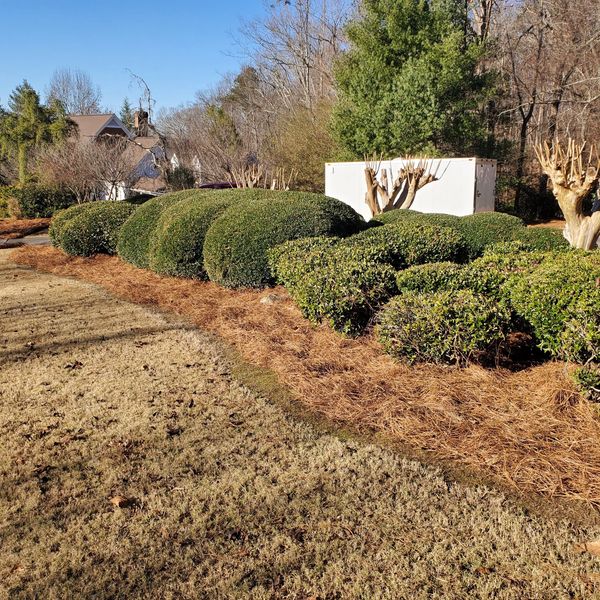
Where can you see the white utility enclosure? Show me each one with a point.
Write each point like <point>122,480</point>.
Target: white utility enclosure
<point>464,185</point>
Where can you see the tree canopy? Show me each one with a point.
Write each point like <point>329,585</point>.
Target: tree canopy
<point>410,82</point>
<point>28,124</point>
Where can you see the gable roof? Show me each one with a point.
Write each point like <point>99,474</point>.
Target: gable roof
<point>90,126</point>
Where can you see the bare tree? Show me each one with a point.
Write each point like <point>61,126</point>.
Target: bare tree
<point>383,195</point>
<point>76,92</point>
<point>92,169</point>
<point>573,177</point>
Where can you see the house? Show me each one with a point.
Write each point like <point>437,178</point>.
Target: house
<point>147,149</point>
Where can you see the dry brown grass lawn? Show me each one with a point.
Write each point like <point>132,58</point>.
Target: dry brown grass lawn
<point>228,496</point>
<point>17,228</point>
<point>528,431</point>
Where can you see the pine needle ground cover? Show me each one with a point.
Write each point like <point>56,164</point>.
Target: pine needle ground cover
<point>133,464</point>
<point>528,431</point>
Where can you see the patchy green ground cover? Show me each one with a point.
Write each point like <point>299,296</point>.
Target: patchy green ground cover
<point>133,465</point>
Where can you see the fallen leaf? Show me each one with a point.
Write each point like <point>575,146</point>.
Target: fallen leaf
<point>591,547</point>
<point>122,501</point>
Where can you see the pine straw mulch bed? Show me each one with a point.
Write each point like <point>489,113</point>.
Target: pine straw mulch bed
<point>11,229</point>
<point>528,431</point>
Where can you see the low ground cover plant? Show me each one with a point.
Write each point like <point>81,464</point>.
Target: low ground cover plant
<point>236,244</point>
<point>95,229</point>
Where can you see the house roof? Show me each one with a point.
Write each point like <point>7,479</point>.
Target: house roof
<point>90,126</point>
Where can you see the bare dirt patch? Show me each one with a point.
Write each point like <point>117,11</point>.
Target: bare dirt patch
<point>133,465</point>
<point>528,431</point>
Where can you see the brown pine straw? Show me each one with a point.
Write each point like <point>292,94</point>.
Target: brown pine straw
<point>527,430</point>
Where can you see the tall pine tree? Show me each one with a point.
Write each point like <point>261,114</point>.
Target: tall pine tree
<point>28,124</point>
<point>410,81</point>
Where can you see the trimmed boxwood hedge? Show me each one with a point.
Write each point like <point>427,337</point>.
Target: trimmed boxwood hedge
<point>177,242</point>
<point>484,229</point>
<point>441,327</point>
<point>411,242</point>
<point>328,280</point>
<point>431,277</point>
<point>561,300</point>
<point>62,217</point>
<point>236,245</point>
<point>134,239</point>
<point>95,230</point>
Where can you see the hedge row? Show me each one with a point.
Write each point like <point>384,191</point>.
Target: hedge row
<point>91,228</point>
<point>34,201</point>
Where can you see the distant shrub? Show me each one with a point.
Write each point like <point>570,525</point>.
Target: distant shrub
<point>236,245</point>
<point>177,242</point>
<point>441,327</point>
<point>484,229</point>
<point>431,277</point>
<point>343,285</point>
<point>62,217</point>
<point>560,300</point>
<point>134,238</point>
<point>95,230</point>
<point>407,243</point>
<point>34,201</point>
<point>6,196</point>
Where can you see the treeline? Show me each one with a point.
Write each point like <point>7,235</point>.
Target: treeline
<point>326,81</point>
<point>330,81</point>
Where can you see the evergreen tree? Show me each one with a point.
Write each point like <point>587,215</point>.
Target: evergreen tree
<point>27,124</point>
<point>127,114</point>
<point>410,82</point>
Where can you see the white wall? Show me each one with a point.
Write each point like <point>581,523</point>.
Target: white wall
<point>456,191</point>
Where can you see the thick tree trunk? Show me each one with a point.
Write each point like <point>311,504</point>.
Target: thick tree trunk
<point>581,231</point>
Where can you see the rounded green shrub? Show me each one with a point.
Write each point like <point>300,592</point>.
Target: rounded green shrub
<point>587,380</point>
<point>343,285</point>
<point>543,239</point>
<point>62,217</point>
<point>393,216</point>
<point>431,277</point>
<point>484,229</point>
<point>134,240</point>
<point>406,243</point>
<point>561,300</point>
<point>96,229</point>
<point>236,244</point>
<point>442,327</point>
<point>177,242</point>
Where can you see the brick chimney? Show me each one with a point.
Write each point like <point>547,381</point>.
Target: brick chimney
<point>140,122</point>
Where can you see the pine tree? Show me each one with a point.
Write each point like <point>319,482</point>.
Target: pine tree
<point>28,124</point>
<point>410,82</point>
<point>126,114</point>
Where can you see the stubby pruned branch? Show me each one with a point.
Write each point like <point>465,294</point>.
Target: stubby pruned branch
<point>415,174</point>
<point>574,173</point>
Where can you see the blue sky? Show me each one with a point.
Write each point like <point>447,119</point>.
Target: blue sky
<point>178,46</point>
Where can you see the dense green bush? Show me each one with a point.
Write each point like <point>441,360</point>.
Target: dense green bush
<point>35,201</point>
<point>441,327</point>
<point>587,380</point>
<point>134,238</point>
<point>396,215</point>
<point>236,245</point>
<point>407,243</point>
<point>62,217</point>
<point>177,242</point>
<point>542,239</point>
<point>6,193</point>
<point>561,300</point>
<point>95,230</point>
<point>484,229</point>
<point>330,281</point>
<point>431,277</point>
